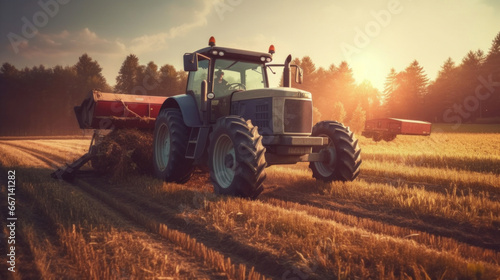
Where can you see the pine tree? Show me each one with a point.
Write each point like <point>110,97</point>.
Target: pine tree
<point>491,71</point>
<point>492,61</point>
<point>468,74</point>
<point>415,89</point>
<point>148,79</point>
<point>344,86</point>
<point>129,75</point>
<point>389,97</point>
<point>89,74</point>
<point>442,91</point>
<point>169,81</point>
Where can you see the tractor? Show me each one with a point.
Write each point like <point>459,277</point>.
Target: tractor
<point>230,120</point>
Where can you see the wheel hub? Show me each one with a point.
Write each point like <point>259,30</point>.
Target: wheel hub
<point>229,161</point>
<point>224,161</point>
<point>327,167</point>
<point>163,147</point>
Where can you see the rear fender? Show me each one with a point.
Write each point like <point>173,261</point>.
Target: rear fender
<point>187,105</point>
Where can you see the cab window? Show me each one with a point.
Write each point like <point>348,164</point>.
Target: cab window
<point>231,75</point>
<point>196,77</point>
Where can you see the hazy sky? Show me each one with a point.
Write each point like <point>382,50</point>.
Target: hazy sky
<point>372,35</point>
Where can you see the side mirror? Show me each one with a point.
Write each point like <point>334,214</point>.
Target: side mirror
<point>190,62</point>
<point>299,75</point>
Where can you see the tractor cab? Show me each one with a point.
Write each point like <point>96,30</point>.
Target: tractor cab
<point>217,73</point>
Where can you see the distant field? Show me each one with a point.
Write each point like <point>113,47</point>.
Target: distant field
<point>465,128</point>
<point>422,208</point>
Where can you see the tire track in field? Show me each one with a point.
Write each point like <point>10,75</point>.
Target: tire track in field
<point>36,161</point>
<point>144,212</point>
<point>201,270</point>
<point>47,157</point>
<point>299,197</point>
<point>187,263</point>
<point>437,238</point>
<point>484,238</point>
<point>74,147</point>
<point>428,230</point>
<point>176,223</point>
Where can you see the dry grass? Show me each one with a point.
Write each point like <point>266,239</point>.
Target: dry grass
<point>97,240</point>
<point>209,256</point>
<point>407,217</point>
<point>333,247</point>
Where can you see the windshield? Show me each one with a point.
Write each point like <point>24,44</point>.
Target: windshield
<point>238,75</point>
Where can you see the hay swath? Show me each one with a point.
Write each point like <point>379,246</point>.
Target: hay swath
<point>110,111</point>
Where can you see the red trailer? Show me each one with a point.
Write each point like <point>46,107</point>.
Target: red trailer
<point>388,128</point>
<point>110,110</point>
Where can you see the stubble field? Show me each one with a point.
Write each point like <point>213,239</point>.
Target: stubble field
<point>422,208</point>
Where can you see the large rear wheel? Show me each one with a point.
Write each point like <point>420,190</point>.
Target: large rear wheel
<point>236,158</point>
<point>169,147</point>
<point>344,155</point>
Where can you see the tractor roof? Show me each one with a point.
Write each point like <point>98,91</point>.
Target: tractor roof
<point>222,52</point>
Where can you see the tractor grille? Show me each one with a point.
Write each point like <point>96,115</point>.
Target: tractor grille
<point>298,116</point>
<point>262,116</point>
<point>257,110</point>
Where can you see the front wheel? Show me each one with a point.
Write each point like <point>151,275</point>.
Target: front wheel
<point>236,158</point>
<point>344,155</point>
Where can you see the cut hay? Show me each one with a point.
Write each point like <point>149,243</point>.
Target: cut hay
<point>124,152</point>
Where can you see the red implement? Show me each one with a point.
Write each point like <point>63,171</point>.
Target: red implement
<point>388,128</point>
<point>111,110</point>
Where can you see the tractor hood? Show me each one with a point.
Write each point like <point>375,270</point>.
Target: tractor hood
<point>283,92</point>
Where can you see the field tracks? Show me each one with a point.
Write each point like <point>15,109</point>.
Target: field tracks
<point>385,224</point>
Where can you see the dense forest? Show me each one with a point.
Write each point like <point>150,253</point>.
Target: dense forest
<point>40,100</point>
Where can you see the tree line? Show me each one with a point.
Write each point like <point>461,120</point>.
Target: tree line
<point>467,92</point>
<point>40,100</point>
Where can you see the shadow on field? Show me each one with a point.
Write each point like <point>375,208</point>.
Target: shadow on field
<point>308,192</point>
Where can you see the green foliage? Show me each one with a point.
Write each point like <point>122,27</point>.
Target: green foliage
<point>357,123</point>
<point>405,92</point>
<point>338,112</point>
<point>128,77</point>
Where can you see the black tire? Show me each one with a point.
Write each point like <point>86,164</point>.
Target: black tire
<point>344,158</point>
<point>236,158</point>
<point>377,136</point>
<point>170,140</point>
<point>388,137</point>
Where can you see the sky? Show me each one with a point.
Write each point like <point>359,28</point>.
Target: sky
<point>373,36</point>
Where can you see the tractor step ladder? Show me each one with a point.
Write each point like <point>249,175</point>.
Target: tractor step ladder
<point>196,143</point>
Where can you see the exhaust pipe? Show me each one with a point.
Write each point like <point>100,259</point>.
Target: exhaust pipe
<point>287,74</point>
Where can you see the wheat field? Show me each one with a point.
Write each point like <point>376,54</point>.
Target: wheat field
<point>422,208</point>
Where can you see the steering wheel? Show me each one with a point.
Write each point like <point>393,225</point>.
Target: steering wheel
<point>236,86</point>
